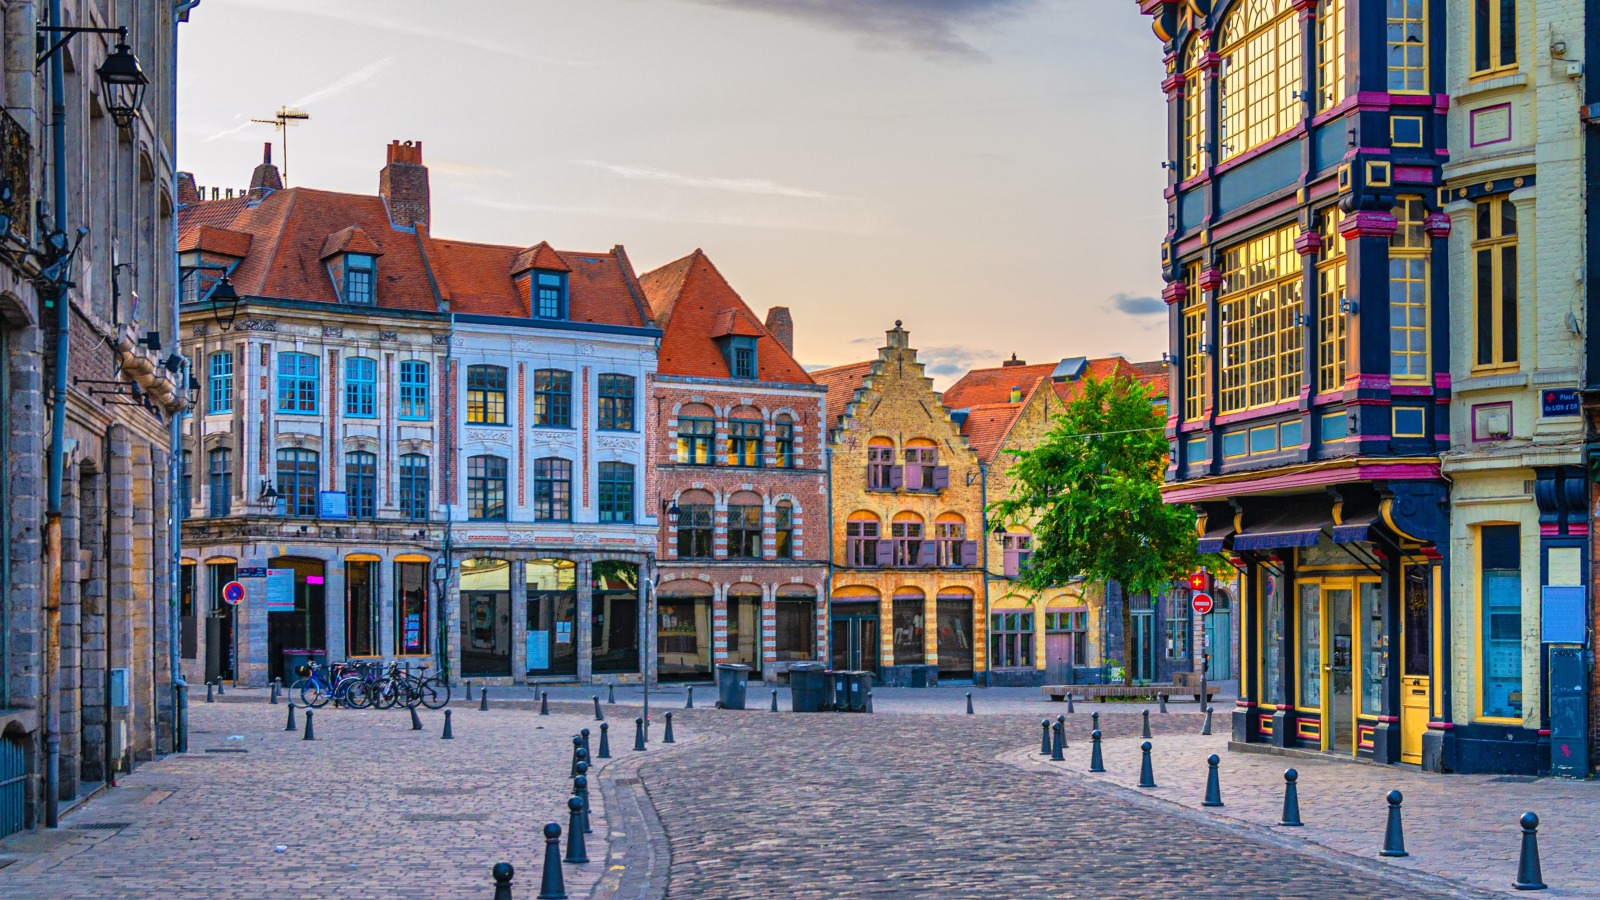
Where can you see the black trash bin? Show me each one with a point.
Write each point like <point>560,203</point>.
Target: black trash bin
<point>860,684</point>
<point>730,684</point>
<point>838,689</point>
<point>807,684</point>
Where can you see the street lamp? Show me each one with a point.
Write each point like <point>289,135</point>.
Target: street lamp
<point>124,80</point>
<point>441,581</point>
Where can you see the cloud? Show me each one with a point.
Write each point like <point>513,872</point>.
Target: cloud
<point>679,216</point>
<point>465,170</point>
<point>334,88</point>
<point>375,16</point>
<point>1136,305</point>
<point>927,26</point>
<point>955,360</point>
<point>735,185</point>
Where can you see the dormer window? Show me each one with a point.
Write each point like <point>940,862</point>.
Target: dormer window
<point>358,279</point>
<point>549,295</point>
<point>741,357</point>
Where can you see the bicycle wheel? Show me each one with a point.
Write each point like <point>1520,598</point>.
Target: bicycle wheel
<point>387,695</point>
<point>357,693</point>
<point>435,692</point>
<point>314,693</point>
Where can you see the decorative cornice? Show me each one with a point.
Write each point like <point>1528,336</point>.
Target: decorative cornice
<point>1437,225</point>
<point>1368,223</point>
<point>1308,243</point>
<point>1175,292</point>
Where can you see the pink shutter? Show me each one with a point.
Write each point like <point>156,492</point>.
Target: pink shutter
<point>941,477</point>
<point>897,477</point>
<point>1012,563</point>
<point>852,550</point>
<point>913,476</point>
<point>886,553</point>
<point>928,555</point>
<point>969,553</point>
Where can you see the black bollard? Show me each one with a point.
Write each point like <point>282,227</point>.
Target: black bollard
<point>1055,743</point>
<point>551,885</point>
<point>209,697</point>
<point>638,734</point>
<point>1094,721</point>
<point>290,726</point>
<point>469,690</point>
<point>611,693</point>
<point>774,699</point>
<point>1096,762</point>
<point>311,733</point>
<point>668,738</point>
<point>580,789</point>
<point>483,699</point>
<point>1213,786</point>
<point>598,715</point>
<point>1394,838</point>
<point>689,703</point>
<point>1529,875</point>
<point>1070,710</point>
<point>1291,800</point>
<point>220,691</point>
<point>605,741</point>
<point>869,701</point>
<point>577,755</point>
<point>1147,775</point>
<point>969,703</point>
<point>577,854</point>
<point>584,733</point>
<point>502,873</point>
<point>544,705</point>
<point>1044,737</point>
<point>1146,716</point>
<point>273,698</point>
<point>447,735</point>
<point>1062,721</point>
<point>1206,728</point>
<point>416,723</point>
<point>1161,703</point>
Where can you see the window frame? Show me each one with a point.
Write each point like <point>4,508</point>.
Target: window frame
<point>1333,83</point>
<point>745,530</point>
<point>616,483</point>
<point>361,484</point>
<point>1258,307</point>
<point>1194,339</point>
<point>300,385</point>
<point>552,489</point>
<point>1418,25</point>
<point>1332,290</point>
<point>1012,642</point>
<point>482,481</point>
<point>1480,639</point>
<point>746,438</point>
<point>413,500</point>
<point>414,390</point>
<point>907,537</point>
<point>536,295</point>
<point>783,530</point>
<point>552,398</point>
<point>694,530</point>
<point>367,265</point>
<point>220,502</point>
<point>219,393</point>
<point>1489,41</point>
<point>1193,112</point>
<point>487,402</point>
<point>1258,99</point>
<point>783,456</point>
<point>360,387</point>
<point>616,392</point>
<point>1411,246</point>
<point>743,368</point>
<point>862,537</point>
<point>302,477</point>
<point>1503,288</point>
<point>692,440</point>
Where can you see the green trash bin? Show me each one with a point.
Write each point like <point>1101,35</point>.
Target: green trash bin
<point>731,678</point>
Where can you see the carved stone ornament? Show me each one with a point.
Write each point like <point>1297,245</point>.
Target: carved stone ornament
<point>199,331</point>
<point>615,443</point>
<point>259,325</point>
<point>388,335</point>
<point>585,349</point>
<point>488,436</point>
<point>441,340</point>
<point>333,331</point>
<point>553,437</point>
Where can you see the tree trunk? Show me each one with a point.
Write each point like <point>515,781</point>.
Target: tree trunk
<point>1127,636</point>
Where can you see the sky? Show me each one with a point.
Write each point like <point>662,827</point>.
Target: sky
<point>987,171</point>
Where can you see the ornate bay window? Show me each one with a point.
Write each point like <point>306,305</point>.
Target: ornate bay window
<point>1260,74</point>
<point>1194,340</point>
<point>1331,316</point>
<point>1258,307</point>
<point>1194,111</point>
<point>1408,47</point>
<point>1494,254</point>
<point>1408,291</point>
<point>1331,70</point>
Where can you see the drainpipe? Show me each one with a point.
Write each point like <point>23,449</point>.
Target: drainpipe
<point>983,541</point>
<point>176,513</point>
<point>827,588</point>
<point>58,430</point>
<point>447,439</point>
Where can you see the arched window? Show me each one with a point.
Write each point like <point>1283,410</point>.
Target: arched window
<point>783,443</point>
<point>1260,74</point>
<point>744,526</point>
<point>696,425</point>
<point>694,525</point>
<point>361,387</point>
<point>862,539</point>
<point>486,488</point>
<point>909,547</point>
<point>881,470</point>
<point>952,550</point>
<point>1194,111</point>
<point>745,438</point>
<point>783,528</point>
<point>361,484</point>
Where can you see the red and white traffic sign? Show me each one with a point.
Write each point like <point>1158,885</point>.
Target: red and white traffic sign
<point>1201,603</point>
<point>233,593</point>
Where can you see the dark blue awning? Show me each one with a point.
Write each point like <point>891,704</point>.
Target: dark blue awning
<point>1355,528</point>
<point>1216,535</point>
<point>1296,525</point>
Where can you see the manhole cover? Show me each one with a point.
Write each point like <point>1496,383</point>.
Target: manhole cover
<point>101,826</point>
<point>627,781</point>
<point>434,791</point>
<point>444,817</point>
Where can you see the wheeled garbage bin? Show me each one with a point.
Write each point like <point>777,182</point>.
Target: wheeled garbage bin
<point>731,678</point>
<point>807,684</point>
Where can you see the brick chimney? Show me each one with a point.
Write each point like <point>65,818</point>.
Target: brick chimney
<point>265,177</point>
<point>1013,361</point>
<point>781,324</point>
<point>187,192</point>
<point>404,184</point>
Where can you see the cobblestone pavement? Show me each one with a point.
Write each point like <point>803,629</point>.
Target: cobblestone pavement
<point>370,809</point>
<point>848,806</point>
<point>1460,826</point>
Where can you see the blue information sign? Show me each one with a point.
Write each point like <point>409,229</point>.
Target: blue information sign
<point>1560,402</point>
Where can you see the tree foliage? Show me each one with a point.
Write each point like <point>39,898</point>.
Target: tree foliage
<point>1090,492</point>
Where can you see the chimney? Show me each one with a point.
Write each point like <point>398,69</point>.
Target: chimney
<point>1013,361</point>
<point>404,184</point>
<point>1016,393</point>
<point>781,324</point>
<point>265,178</point>
<point>187,192</point>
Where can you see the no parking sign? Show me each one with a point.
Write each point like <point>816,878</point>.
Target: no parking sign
<point>233,593</point>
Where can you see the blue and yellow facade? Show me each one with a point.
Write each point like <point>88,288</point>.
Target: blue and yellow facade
<point>1310,334</point>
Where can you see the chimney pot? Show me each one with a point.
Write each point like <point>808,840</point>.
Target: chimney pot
<point>403,183</point>
<point>1013,361</point>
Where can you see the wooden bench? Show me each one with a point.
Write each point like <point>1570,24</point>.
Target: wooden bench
<point>1186,684</point>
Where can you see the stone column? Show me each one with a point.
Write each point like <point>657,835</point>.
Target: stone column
<point>162,598</point>
<point>70,679</point>
<point>769,631</point>
<point>585,624</point>
<point>519,620</point>
<point>93,600</point>
<point>719,625</point>
<point>141,680</point>
<point>335,606</point>
<point>386,590</point>
<point>120,565</point>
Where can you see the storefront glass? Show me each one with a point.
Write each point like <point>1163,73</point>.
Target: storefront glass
<point>683,641</point>
<point>361,608</point>
<point>910,614</point>
<point>411,608</point>
<point>1501,623</point>
<point>744,626</point>
<point>1272,645</point>
<point>615,617</point>
<point>955,633</point>
<point>1311,645</point>
<point>797,624</point>
<point>552,617</point>
<point>1374,666</point>
<point>485,617</point>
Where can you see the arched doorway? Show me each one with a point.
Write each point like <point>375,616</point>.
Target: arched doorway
<point>485,617</point>
<point>955,632</point>
<point>683,643</point>
<point>302,632</point>
<point>744,626</point>
<point>854,634</point>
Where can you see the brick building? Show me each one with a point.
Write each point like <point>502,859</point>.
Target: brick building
<point>92,385</point>
<point>737,443</point>
<point>907,494</point>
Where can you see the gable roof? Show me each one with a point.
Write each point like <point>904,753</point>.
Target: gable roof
<point>214,240</point>
<point>984,386</point>
<point>841,382</point>
<point>695,305</point>
<point>987,426</point>
<point>539,256</point>
<point>290,232</point>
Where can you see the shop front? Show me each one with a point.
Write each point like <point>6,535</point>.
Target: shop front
<point>1340,617</point>
<point>854,642</point>
<point>683,637</point>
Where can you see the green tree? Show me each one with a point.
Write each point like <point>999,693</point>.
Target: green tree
<point>1091,493</point>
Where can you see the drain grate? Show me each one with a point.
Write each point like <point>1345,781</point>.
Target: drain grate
<point>627,781</point>
<point>101,826</point>
<point>226,750</point>
<point>444,817</point>
<point>1514,779</point>
<point>434,791</point>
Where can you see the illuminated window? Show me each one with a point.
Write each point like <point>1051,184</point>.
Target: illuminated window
<point>1260,74</point>
<point>1330,54</point>
<point>1408,47</point>
<point>1494,35</point>
<point>1194,111</point>
<point>1494,252</point>
<point>1408,291</point>
<point>1331,321</point>
<point>1258,307</point>
<point>1194,337</point>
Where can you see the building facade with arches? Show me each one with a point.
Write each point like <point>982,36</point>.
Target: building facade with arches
<point>738,474</point>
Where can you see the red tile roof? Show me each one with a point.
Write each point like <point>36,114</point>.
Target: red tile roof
<point>214,240</point>
<point>987,425</point>
<point>695,305</point>
<point>539,256</point>
<point>841,382</point>
<point>983,386</point>
<point>986,395</point>
<point>290,230</point>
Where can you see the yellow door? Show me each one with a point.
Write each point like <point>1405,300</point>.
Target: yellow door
<point>1414,696</point>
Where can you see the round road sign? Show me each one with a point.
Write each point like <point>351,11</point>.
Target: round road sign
<point>1201,602</point>
<point>233,593</point>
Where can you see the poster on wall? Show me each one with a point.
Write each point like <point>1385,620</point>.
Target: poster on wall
<point>538,650</point>
<point>413,633</point>
<point>280,590</point>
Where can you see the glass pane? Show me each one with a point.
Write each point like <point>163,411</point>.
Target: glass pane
<point>1373,664</point>
<point>1272,611</point>
<point>1311,645</point>
<point>1502,643</point>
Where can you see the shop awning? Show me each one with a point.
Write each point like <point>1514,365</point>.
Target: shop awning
<point>1218,529</point>
<point>1355,528</point>
<point>1287,526</point>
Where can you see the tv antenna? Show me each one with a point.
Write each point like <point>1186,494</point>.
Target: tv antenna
<point>281,120</point>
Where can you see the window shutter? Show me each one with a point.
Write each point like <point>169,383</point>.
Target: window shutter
<point>1012,563</point>
<point>897,477</point>
<point>886,553</point>
<point>850,549</point>
<point>941,477</point>
<point>969,553</point>
<point>928,555</point>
